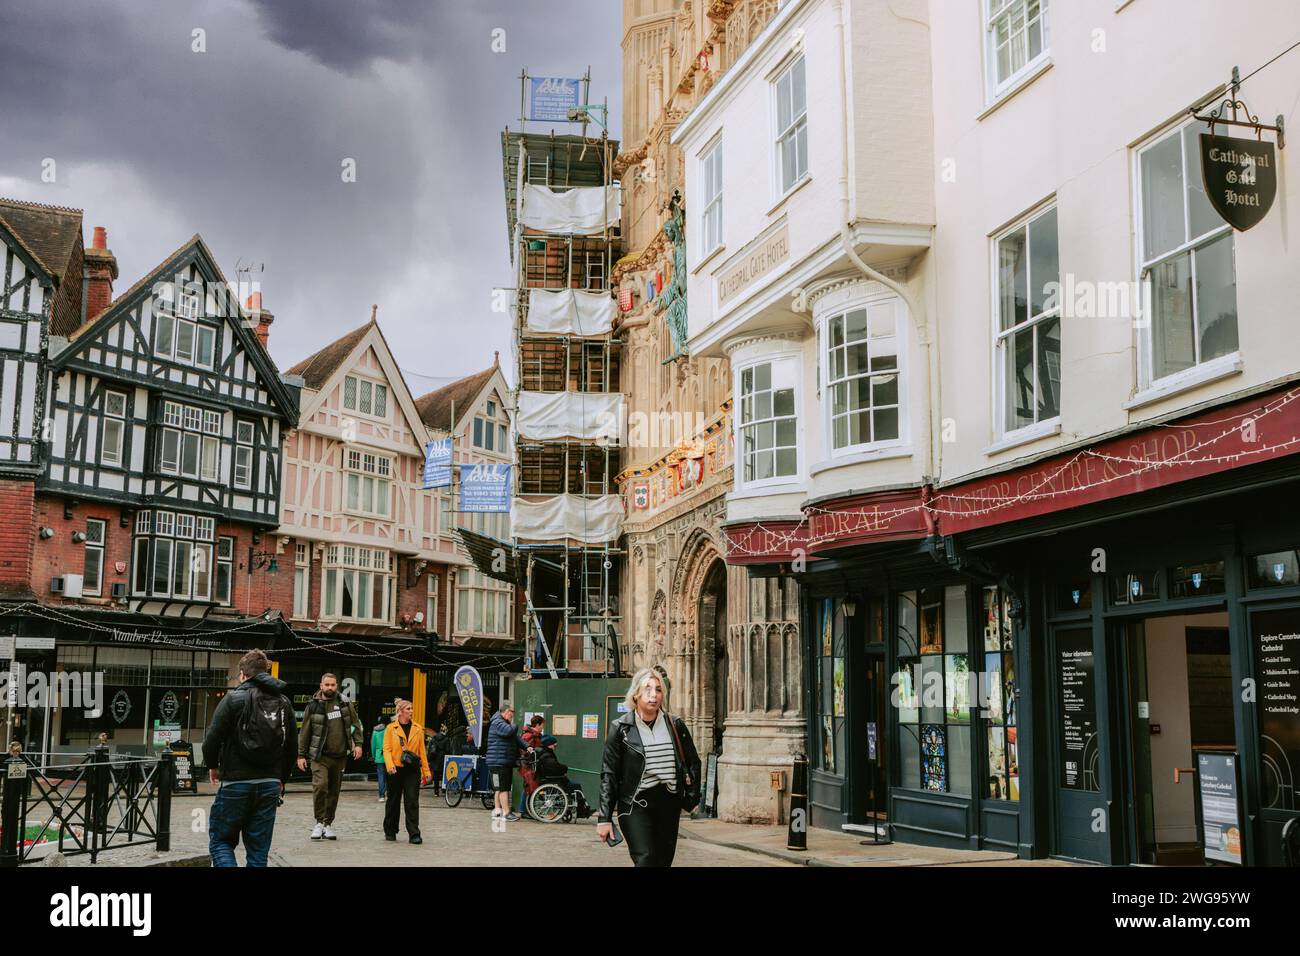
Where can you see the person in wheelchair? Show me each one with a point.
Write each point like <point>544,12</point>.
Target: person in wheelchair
<point>550,770</point>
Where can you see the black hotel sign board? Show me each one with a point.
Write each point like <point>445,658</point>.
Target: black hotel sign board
<point>1240,178</point>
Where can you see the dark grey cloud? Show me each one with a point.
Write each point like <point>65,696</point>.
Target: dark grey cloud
<point>243,144</point>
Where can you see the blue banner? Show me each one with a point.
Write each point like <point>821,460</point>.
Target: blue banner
<point>551,97</point>
<point>469,686</point>
<point>484,488</point>
<point>437,464</point>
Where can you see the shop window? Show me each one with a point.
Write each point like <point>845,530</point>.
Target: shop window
<point>999,698</point>
<point>1194,580</point>
<point>1187,259</point>
<point>933,690</point>
<point>1134,588</point>
<point>830,686</point>
<point>1276,569</point>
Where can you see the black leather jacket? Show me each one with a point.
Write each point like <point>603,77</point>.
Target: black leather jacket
<point>624,764</point>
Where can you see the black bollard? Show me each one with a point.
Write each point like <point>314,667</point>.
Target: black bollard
<point>166,780</point>
<point>11,785</point>
<point>797,833</point>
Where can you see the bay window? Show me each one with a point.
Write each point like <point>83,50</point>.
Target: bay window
<point>1028,344</point>
<point>367,483</point>
<point>482,604</point>
<point>173,555</point>
<point>1187,259</point>
<point>358,584</point>
<point>863,374</point>
<point>768,420</point>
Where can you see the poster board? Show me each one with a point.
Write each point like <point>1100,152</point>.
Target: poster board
<point>1218,805</point>
<point>564,725</point>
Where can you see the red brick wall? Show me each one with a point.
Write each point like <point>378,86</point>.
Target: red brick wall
<point>17,498</point>
<point>60,555</point>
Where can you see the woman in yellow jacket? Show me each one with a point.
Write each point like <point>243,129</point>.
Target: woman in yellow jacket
<point>407,767</point>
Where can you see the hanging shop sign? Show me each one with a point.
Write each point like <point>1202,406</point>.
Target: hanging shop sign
<point>1240,174</point>
<point>1240,178</point>
<point>484,488</point>
<point>1219,795</point>
<point>437,464</point>
<point>550,98</point>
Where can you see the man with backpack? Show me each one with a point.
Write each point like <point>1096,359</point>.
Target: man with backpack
<point>249,750</point>
<point>330,727</point>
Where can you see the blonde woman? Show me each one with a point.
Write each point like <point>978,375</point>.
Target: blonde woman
<point>650,774</point>
<point>407,766</point>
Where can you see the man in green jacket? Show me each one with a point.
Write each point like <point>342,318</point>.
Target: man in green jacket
<point>329,726</point>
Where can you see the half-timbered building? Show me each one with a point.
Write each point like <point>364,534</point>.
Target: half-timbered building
<point>162,420</point>
<point>373,555</point>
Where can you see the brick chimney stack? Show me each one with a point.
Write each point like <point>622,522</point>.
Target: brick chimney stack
<point>100,271</point>
<point>262,317</point>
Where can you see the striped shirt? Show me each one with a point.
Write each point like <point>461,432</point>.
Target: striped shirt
<point>660,759</point>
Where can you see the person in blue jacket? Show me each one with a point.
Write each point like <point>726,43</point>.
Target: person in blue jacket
<point>503,748</point>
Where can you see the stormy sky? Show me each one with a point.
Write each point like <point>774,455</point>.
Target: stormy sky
<point>244,144</point>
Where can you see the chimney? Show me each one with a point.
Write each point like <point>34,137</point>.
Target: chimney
<point>261,316</point>
<point>100,270</point>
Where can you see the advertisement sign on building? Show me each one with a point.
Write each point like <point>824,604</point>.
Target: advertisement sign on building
<point>437,463</point>
<point>551,97</point>
<point>485,488</point>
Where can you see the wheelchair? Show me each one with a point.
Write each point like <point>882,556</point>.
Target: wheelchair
<point>552,801</point>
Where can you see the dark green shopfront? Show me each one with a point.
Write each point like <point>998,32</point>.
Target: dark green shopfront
<point>1114,681</point>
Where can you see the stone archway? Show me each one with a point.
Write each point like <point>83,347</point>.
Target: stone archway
<point>699,597</point>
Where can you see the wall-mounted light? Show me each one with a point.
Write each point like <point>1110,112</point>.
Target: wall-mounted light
<point>78,537</point>
<point>47,533</point>
<point>850,607</point>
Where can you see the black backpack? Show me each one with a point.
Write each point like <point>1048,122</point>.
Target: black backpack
<point>262,726</point>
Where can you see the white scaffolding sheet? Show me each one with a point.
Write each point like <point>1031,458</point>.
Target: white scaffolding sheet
<point>583,210</point>
<point>589,520</point>
<point>587,416</point>
<point>570,312</point>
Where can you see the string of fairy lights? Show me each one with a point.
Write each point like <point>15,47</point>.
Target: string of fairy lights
<point>1046,486</point>
<point>337,647</point>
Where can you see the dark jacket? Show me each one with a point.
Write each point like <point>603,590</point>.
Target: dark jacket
<point>549,766</point>
<point>503,744</point>
<point>221,747</point>
<point>315,726</point>
<point>624,764</point>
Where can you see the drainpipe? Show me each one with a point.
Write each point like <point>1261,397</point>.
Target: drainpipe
<point>846,241</point>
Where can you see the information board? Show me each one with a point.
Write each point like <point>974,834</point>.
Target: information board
<point>1219,796</point>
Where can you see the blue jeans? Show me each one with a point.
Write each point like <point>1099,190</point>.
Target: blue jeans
<point>381,770</point>
<point>244,810</point>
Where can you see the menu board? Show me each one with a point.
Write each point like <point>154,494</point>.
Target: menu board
<point>1075,680</point>
<point>1216,788</point>
<point>1275,637</point>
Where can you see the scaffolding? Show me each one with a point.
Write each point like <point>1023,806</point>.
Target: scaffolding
<point>568,561</point>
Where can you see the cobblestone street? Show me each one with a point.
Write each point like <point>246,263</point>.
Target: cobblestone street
<point>452,837</point>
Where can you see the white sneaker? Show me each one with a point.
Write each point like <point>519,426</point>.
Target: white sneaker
<point>329,833</point>
<point>318,831</point>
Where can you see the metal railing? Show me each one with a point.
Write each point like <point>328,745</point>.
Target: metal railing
<point>98,803</point>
